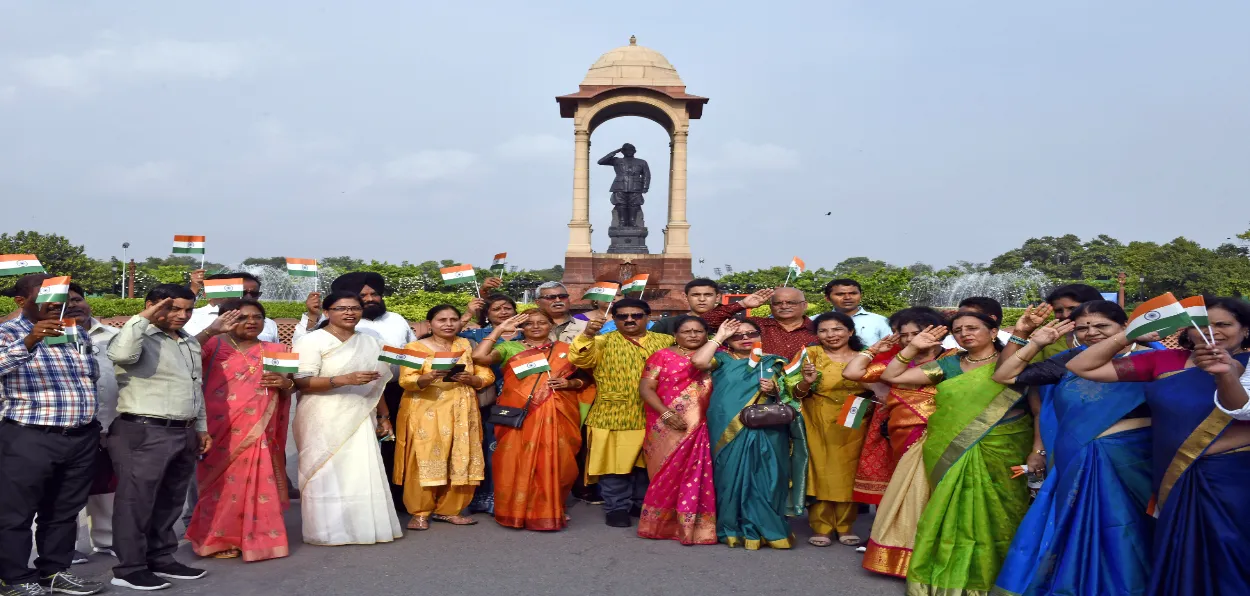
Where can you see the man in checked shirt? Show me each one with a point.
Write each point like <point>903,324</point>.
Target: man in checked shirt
<point>48,443</point>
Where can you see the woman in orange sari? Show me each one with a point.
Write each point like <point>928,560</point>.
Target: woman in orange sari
<point>907,410</point>
<point>681,499</point>
<point>242,479</point>
<point>534,466</point>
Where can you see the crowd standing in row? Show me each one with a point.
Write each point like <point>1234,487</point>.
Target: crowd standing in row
<point>710,427</point>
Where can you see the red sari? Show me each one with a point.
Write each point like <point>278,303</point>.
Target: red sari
<point>242,479</point>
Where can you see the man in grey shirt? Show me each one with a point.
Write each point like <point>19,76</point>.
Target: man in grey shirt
<point>160,430</point>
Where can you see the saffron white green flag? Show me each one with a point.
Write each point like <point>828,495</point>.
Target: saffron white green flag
<point>499,262</point>
<point>853,411</point>
<point>1196,307</point>
<point>532,365</point>
<point>19,264</point>
<point>460,274</point>
<point>281,362</point>
<point>188,245</point>
<point>223,288</point>
<point>797,364</point>
<point>301,267</point>
<point>53,289</point>
<point>637,283</point>
<point>797,266</point>
<point>445,360</point>
<point>603,291</point>
<point>1162,314</point>
<point>402,357</point>
<point>69,333</point>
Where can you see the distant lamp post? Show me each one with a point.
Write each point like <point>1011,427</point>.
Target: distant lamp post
<point>127,285</point>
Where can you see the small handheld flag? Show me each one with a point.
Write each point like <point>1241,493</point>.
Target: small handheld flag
<point>402,357</point>
<point>797,364</point>
<point>498,263</point>
<point>1020,470</point>
<point>459,274</point>
<point>1152,508</point>
<point>54,289</point>
<point>280,362</point>
<point>853,411</point>
<point>69,333</point>
<point>19,265</point>
<point>445,360</point>
<point>602,291</point>
<point>1196,308</point>
<point>797,266</point>
<point>757,353</point>
<point>301,267</point>
<point>188,245</point>
<point>637,283</point>
<point>223,288</point>
<point>1161,314</point>
<point>532,365</point>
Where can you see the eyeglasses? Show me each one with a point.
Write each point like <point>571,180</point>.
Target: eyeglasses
<point>742,336</point>
<point>785,303</point>
<point>251,293</point>
<point>345,309</point>
<point>629,316</point>
<point>554,297</point>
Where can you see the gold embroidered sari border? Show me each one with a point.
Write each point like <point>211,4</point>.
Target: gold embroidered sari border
<point>1194,446</point>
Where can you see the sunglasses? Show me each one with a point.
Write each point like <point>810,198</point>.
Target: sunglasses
<point>250,294</point>
<point>554,297</point>
<point>742,336</point>
<point>629,316</point>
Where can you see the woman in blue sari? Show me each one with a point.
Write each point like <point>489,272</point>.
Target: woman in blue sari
<point>1201,455</point>
<point>760,474</point>
<point>1096,539</point>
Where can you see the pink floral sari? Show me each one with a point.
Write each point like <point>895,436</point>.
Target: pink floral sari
<point>681,500</point>
<point>242,478</point>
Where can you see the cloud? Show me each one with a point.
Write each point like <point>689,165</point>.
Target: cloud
<point>151,179</point>
<point>538,147</point>
<point>83,72</point>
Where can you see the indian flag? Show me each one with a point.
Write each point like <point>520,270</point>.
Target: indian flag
<point>499,262</point>
<point>445,360</point>
<point>280,362</point>
<point>460,274</point>
<point>1162,314</point>
<point>19,264</point>
<point>530,365</point>
<point>69,333</point>
<point>637,283</point>
<point>53,289</point>
<point>402,357</point>
<point>301,267</point>
<point>797,266</point>
<point>223,288</point>
<point>603,291</point>
<point>1196,307</point>
<point>757,353</point>
<point>188,245</point>
<point>853,411</point>
<point>797,363</point>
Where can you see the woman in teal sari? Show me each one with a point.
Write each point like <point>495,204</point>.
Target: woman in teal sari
<point>759,473</point>
<point>976,435</point>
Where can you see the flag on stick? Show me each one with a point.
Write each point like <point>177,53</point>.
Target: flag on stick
<point>853,411</point>
<point>301,267</point>
<point>499,262</point>
<point>19,265</point>
<point>1020,470</point>
<point>637,283</point>
<point>445,360</point>
<point>54,289</point>
<point>1161,314</point>
<point>1152,508</point>
<point>280,362</point>
<point>603,291</point>
<point>797,364</point>
<point>757,353</point>
<point>796,269</point>
<point>459,274</point>
<point>402,357</point>
<point>532,365</point>
<point>69,333</point>
<point>188,245</point>
<point>1196,307</point>
<point>223,288</point>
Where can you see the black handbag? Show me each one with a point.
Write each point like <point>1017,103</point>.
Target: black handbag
<point>515,417</point>
<point>769,415</point>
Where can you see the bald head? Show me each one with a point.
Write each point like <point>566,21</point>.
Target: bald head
<point>788,304</point>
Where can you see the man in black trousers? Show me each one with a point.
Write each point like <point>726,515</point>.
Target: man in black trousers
<point>48,443</point>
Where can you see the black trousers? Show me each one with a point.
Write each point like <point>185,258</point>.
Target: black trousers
<point>154,465</point>
<point>44,476</point>
<point>392,394</point>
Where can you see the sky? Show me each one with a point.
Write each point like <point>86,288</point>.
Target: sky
<point>934,131</point>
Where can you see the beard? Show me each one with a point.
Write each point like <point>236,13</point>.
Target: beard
<point>373,310</point>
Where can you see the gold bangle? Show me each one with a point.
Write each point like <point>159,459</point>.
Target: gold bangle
<point>1020,358</point>
<point>713,340</point>
<point>900,358</point>
<point>868,353</point>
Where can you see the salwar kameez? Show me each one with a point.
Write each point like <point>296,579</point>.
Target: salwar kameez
<point>834,448</point>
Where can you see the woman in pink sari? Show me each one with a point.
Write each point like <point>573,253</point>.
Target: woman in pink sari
<point>681,500</point>
<point>242,479</point>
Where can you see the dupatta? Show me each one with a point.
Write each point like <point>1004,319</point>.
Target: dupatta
<point>969,405</point>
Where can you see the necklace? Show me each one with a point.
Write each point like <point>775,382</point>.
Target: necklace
<point>683,351</point>
<point>980,360</point>
<point>251,362</point>
<point>531,346</point>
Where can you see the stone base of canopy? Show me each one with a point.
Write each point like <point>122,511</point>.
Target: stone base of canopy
<point>666,282</point>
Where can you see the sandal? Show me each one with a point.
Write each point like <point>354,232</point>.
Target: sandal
<point>455,520</point>
<point>233,553</point>
<point>419,523</point>
<point>849,539</point>
<point>821,541</point>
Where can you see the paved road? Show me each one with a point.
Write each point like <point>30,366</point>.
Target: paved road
<point>487,560</point>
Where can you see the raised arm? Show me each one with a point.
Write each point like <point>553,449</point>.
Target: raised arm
<point>127,345</point>
<point>1231,380</point>
<point>897,371</point>
<point>1015,359</point>
<point>704,357</point>
<point>608,159</point>
<point>864,367</point>
<point>584,350</point>
<point>718,315</point>
<point>484,353</point>
<point>1095,363</point>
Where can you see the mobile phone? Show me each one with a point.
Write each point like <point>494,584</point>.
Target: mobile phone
<point>455,369</point>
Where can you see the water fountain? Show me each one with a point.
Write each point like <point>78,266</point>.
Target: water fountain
<point>1016,288</point>
<point>278,285</point>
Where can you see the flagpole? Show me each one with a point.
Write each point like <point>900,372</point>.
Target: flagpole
<point>787,281</point>
<point>1204,336</point>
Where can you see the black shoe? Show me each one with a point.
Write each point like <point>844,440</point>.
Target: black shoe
<point>176,570</point>
<point>635,511</point>
<point>79,558</point>
<point>618,519</point>
<point>26,589</point>
<point>141,580</point>
<point>68,583</point>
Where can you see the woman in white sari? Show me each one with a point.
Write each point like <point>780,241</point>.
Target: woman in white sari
<point>346,496</point>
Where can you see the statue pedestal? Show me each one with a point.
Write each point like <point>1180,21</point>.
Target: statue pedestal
<point>666,283</point>
<point>625,240</point>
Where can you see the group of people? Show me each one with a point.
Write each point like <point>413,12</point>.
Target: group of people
<point>710,426</point>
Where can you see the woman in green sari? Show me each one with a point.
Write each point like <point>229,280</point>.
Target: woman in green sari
<point>760,474</point>
<point>978,433</point>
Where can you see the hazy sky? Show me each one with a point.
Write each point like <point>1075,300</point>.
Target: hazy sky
<point>935,131</point>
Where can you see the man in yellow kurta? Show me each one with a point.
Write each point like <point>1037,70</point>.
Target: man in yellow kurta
<point>616,425</point>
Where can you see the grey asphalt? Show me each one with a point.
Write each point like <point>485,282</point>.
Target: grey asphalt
<point>586,558</point>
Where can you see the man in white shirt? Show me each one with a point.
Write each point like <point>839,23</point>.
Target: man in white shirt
<point>986,306</point>
<point>846,295</point>
<point>204,316</point>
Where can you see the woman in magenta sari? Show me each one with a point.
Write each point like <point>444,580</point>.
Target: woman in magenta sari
<point>681,500</point>
<point>242,479</point>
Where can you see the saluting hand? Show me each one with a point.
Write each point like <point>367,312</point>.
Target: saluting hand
<point>758,299</point>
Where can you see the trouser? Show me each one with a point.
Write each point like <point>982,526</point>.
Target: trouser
<point>154,466</point>
<point>44,476</point>
<point>581,490</point>
<point>484,497</point>
<point>100,514</point>
<point>622,492</point>
<point>188,506</point>
<point>392,393</point>
<point>826,517</point>
<point>443,500</point>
